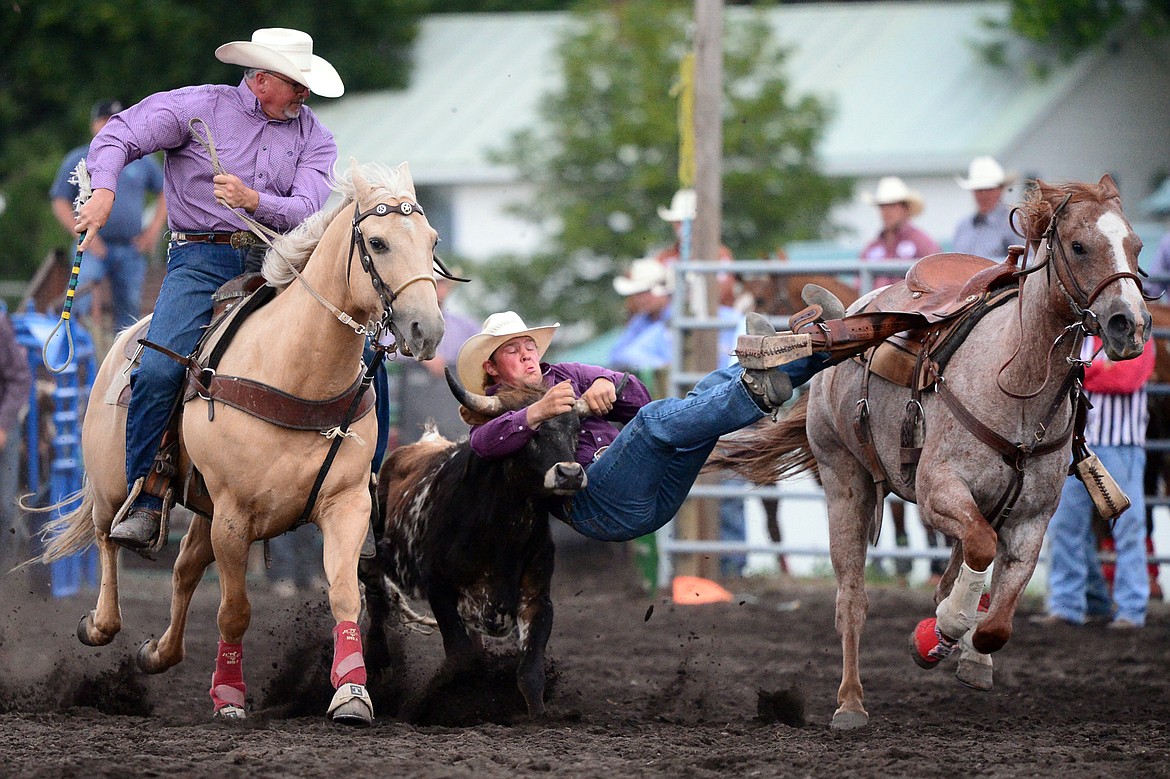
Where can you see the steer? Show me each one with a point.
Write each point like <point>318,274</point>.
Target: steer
<point>471,536</point>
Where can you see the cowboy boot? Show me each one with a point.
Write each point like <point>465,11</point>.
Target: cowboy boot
<point>768,387</point>
<point>823,328</point>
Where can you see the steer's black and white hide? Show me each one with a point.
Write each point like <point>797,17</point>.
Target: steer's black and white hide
<point>471,536</point>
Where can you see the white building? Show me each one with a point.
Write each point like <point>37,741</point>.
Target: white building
<point>913,97</point>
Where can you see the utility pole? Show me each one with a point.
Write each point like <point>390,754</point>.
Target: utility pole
<point>702,352</point>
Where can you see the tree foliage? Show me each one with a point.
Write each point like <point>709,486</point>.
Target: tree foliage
<point>58,57</point>
<point>606,155</point>
<point>1062,29</point>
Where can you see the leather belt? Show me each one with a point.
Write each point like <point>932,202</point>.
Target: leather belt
<point>240,239</point>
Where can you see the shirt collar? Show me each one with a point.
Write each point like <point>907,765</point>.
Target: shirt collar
<point>251,103</point>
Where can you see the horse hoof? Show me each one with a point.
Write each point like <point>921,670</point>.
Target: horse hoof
<point>86,632</point>
<point>229,713</point>
<point>850,720</point>
<point>351,705</point>
<point>977,676</point>
<point>147,657</point>
<point>354,712</point>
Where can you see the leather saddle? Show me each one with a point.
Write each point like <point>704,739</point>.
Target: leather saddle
<point>951,292</point>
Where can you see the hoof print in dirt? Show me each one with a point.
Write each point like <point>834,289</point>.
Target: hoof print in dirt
<point>783,706</point>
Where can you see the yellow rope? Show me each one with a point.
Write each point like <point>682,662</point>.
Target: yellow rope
<point>684,90</point>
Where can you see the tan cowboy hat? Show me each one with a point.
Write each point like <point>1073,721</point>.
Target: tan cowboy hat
<point>985,173</point>
<point>497,329</point>
<point>645,275</point>
<point>287,52</point>
<point>682,207</point>
<point>891,189</point>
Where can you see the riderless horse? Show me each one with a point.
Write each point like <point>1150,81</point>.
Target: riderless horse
<point>982,436</point>
<point>360,270</point>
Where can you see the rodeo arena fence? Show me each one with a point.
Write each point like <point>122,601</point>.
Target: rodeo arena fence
<point>53,468</point>
<point>802,514</point>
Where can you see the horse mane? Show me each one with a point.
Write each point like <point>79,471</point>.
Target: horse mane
<point>296,246</point>
<point>1043,199</point>
<point>766,454</point>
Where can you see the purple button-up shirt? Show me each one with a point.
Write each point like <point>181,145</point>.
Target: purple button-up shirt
<point>287,162</point>
<point>508,432</point>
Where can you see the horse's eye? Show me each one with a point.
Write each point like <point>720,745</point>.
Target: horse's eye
<point>1078,247</point>
<point>377,244</point>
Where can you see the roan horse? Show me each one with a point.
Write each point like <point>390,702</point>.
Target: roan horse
<point>306,342</point>
<point>1005,377</point>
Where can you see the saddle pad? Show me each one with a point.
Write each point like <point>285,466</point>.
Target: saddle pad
<point>894,360</point>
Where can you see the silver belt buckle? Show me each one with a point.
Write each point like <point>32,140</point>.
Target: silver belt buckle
<point>599,452</point>
<point>241,239</point>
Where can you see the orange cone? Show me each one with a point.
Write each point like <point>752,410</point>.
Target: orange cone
<point>695,590</point>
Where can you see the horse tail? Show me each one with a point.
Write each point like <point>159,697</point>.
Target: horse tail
<point>766,454</point>
<point>69,533</point>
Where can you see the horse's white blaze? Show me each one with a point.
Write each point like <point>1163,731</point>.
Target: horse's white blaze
<point>1115,230</point>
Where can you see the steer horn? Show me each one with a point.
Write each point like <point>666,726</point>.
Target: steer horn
<point>481,404</point>
<point>582,408</point>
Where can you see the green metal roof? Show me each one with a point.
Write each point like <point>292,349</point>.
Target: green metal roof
<point>910,90</point>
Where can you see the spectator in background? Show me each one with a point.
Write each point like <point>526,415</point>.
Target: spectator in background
<point>1116,432</point>
<point>988,232</point>
<point>899,240</point>
<point>118,256</point>
<point>682,212</point>
<point>646,347</point>
<point>15,385</point>
<point>422,391</point>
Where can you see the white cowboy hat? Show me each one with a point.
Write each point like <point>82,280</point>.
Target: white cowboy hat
<point>497,329</point>
<point>645,275</point>
<point>891,189</point>
<point>682,207</point>
<point>287,52</point>
<point>985,173</point>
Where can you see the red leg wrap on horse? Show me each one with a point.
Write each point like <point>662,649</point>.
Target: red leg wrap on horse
<point>227,683</point>
<point>348,665</point>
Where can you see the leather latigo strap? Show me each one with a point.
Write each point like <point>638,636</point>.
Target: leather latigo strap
<point>854,334</point>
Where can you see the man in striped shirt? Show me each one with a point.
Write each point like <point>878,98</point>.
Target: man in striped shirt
<point>1116,431</point>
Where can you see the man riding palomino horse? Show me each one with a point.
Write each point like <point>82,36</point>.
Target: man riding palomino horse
<point>256,147</point>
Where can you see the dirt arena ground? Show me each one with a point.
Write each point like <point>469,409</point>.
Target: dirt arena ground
<point>639,687</point>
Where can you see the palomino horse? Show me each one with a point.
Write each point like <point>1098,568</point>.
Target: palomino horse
<point>1010,378</point>
<point>307,342</point>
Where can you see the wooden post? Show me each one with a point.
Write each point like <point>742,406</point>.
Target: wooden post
<point>702,354</point>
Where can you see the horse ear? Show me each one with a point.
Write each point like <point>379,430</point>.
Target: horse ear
<point>361,187</point>
<point>403,172</point>
<point>1110,187</point>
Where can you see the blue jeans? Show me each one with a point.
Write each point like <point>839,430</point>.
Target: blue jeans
<point>194,272</point>
<point>125,268</point>
<point>1076,586</point>
<point>638,483</point>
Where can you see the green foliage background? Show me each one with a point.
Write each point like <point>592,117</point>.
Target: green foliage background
<point>606,156</point>
<point>58,57</point>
